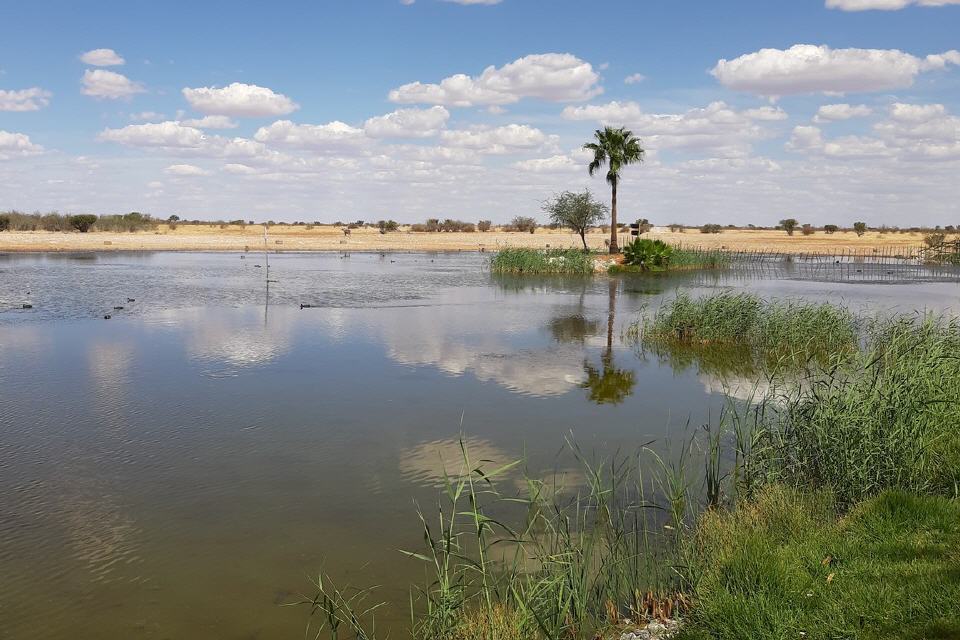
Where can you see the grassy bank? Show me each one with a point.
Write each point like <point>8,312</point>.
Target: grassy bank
<point>787,564</point>
<point>520,260</point>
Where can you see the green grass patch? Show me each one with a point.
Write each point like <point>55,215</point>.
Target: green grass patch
<point>785,566</point>
<point>770,329</point>
<point>542,261</point>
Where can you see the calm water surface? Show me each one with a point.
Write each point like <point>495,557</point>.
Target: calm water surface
<point>182,469</point>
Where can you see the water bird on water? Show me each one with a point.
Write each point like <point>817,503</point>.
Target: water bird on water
<point>28,306</point>
<point>107,317</point>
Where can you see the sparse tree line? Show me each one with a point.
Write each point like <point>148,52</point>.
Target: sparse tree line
<point>84,222</point>
<point>579,212</point>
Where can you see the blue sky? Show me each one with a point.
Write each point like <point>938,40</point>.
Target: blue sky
<point>824,110</point>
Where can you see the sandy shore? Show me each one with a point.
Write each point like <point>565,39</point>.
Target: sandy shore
<point>289,238</point>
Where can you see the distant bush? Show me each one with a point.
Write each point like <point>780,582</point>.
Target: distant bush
<point>131,222</point>
<point>55,222</point>
<point>4,222</point>
<point>484,225</point>
<point>386,226</point>
<point>522,224</point>
<point>711,228</point>
<point>934,239</point>
<point>676,228</point>
<point>807,230</point>
<point>82,222</point>
<point>830,228</point>
<point>449,225</point>
<point>860,228</point>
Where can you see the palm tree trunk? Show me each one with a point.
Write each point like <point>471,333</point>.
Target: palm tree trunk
<point>613,220</point>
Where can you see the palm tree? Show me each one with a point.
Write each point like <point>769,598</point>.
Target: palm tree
<point>615,148</point>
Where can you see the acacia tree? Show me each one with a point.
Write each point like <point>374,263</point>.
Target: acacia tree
<point>615,149</point>
<point>860,228</point>
<point>789,225</point>
<point>576,211</point>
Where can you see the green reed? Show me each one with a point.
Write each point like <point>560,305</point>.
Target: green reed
<point>769,329</point>
<point>884,418</point>
<point>521,260</point>
<point>547,562</point>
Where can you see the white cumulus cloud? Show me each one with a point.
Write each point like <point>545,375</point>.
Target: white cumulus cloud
<point>31,99</point>
<point>169,134</point>
<point>102,58</point>
<point>332,135</point>
<point>14,145</point>
<point>185,171</point>
<point>836,112</point>
<point>634,78</point>
<point>496,139</point>
<point>549,165</point>
<point>239,100</point>
<point>408,123</point>
<point>100,83</point>
<point>806,68</point>
<point>558,77</point>
<point>716,126</point>
<point>211,122</point>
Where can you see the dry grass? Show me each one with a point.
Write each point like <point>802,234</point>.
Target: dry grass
<point>328,238</point>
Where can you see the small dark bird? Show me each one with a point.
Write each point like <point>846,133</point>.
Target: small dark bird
<point>131,300</point>
<point>118,308</point>
<point>28,306</point>
<point>305,306</point>
<point>107,317</point>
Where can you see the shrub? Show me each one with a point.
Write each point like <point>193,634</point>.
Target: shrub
<point>647,253</point>
<point>484,225</point>
<point>807,230</point>
<point>55,222</point>
<point>830,228</point>
<point>386,226</point>
<point>711,228</point>
<point>131,222</point>
<point>523,223</point>
<point>4,222</point>
<point>82,222</point>
<point>860,228</point>
<point>934,239</point>
<point>676,228</point>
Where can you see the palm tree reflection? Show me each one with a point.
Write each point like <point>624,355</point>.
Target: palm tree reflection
<point>608,384</point>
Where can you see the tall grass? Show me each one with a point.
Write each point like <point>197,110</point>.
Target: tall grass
<point>885,418</point>
<point>548,563</point>
<point>768,328</point>
<point>542,261</point>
